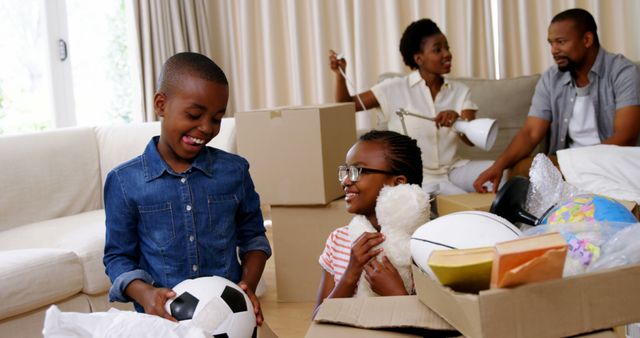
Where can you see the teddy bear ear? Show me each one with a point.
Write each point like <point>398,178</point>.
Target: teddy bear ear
<point>405,205</point>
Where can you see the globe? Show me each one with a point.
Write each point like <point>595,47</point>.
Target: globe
<point>588,208</point>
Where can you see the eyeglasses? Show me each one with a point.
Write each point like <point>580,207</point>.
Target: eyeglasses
<point>354,172</point>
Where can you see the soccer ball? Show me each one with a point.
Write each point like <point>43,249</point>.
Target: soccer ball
<point>216,305</point>
<point>459,230</point>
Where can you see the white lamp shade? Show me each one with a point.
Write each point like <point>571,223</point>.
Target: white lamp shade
<point>481,132</point>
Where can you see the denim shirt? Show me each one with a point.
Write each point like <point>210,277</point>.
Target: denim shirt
<point>614,81</point>
<point>164,227</point>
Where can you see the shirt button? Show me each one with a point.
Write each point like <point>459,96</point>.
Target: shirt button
<point>194,267</point>
<point>188,207</point>
<point>566,120</point>
<point>571,99</point>
<point>183,180</point>
<point>191,238</point>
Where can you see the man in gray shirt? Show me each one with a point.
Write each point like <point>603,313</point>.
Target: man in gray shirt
<point>589,97</point>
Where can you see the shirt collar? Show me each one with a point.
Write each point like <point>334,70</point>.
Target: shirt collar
<point>415,78</point>
<point>597,68</point>
<point>155,166</point>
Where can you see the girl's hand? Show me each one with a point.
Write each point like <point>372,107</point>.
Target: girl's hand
<point>446,118</point>
<point>362,252</point>
<point>334,62</point>
<point>254,301</point>
<point>384,278</point>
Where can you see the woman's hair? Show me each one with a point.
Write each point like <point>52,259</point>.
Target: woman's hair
<point>401,152</point>
<point>411,41</point>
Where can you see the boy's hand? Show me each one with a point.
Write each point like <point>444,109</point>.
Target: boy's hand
<point>152,299</point>
<point>254,300</point>
<point>155,300</point>
<point>384,278</point>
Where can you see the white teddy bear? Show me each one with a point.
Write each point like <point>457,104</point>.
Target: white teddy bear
<point>400,210</point>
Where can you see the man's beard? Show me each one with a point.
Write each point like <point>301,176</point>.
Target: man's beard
<point>568,67</point>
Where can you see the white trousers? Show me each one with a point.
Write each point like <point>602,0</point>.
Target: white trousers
<point>459,180</point>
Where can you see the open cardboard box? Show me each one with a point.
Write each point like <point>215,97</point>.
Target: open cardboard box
<point>388,317</point>
<point>397,316</point>
<point>557,308</point>
<point>447,204</point>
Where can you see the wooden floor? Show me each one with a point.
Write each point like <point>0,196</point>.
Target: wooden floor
<point>287,320</point>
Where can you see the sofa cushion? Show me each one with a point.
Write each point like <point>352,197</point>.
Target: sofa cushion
<point>32,278</point>
<point>82,234</point>
<point>48,175</point>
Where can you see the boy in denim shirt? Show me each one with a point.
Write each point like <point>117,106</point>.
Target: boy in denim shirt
<point>181,209</point>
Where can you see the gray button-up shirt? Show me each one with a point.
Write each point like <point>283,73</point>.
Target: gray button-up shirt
<point>615,83</point>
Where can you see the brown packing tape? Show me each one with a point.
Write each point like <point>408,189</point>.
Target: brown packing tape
<point>275,114</point>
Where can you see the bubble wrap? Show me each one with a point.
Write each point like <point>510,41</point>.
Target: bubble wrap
<point>547,186</point>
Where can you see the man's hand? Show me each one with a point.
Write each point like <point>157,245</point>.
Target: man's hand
<point>254,301</point>
<point>384,278</point>
<point>493,174</point>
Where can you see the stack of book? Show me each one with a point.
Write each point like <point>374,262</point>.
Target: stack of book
<point>507,264</point>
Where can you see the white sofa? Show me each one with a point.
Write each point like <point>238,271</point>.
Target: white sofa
<point>52,219</point>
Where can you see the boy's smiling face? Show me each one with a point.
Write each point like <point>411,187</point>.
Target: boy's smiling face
<point>192,113</point>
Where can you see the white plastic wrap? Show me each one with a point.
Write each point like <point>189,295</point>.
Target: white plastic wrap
<point>595,245</point>
<point>547,187</point>
<point>113,324</point>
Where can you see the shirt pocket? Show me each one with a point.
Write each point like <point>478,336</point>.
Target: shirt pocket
<point>222,214</point>
<point>157,222</point>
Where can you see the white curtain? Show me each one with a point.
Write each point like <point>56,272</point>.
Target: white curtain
<point>524,23</point>
<point>275,52</point>
<point>166,27</point>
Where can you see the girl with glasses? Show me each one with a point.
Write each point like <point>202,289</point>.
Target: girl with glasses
<point>377,159</point>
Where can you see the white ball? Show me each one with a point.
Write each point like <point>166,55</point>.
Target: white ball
<point>459,230</point>
<point>214,304</point>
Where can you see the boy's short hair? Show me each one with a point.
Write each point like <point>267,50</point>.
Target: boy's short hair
<point>411,41</point>
<point>189,63</point>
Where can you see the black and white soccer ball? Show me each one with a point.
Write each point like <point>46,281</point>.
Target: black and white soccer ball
<point>216,305</point>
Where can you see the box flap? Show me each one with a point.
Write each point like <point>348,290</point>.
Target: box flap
<point>265,331</point>
<point>324,330</point>
<point>381,312</point>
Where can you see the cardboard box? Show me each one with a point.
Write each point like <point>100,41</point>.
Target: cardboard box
<point>557,308</point>
<point>397,316</point>
<point>265,331</point>
<point>294,152</point>
<point>472,201</point>
<point>299,236</point>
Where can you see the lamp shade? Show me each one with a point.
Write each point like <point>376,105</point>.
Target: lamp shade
<point>481,132</point>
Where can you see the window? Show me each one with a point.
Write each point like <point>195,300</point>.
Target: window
<point>66,63</point>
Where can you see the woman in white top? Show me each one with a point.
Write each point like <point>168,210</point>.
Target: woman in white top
<point>426,92</point>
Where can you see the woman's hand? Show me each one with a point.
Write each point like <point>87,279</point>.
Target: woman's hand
<point>446,118</point>
<point>384,278</point>
<point>335,64</point>
<point>362,251</point>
